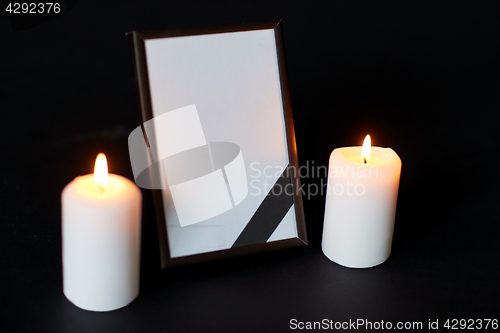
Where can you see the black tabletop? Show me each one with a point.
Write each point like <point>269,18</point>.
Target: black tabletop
<point>421,77</point>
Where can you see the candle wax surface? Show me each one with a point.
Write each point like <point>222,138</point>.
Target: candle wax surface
<point>378,155</point>
<point>117,188</point>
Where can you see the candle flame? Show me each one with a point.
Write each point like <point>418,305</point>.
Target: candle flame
<point>101,170</point>
<point>365,151</point>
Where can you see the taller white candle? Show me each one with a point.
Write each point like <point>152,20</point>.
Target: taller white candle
<point>101,229</point>
<point>360,209</point>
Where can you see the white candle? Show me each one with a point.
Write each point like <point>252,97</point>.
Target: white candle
<point>363,185</point>
<point>101,227</point>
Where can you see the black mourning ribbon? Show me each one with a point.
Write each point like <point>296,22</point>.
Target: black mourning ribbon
<point>269,214</point>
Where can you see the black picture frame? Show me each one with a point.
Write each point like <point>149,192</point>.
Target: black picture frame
<point>137,41</point>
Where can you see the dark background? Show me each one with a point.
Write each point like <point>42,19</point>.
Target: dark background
<point>420,77</point>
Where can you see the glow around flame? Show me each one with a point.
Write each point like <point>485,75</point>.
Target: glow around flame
<point>365,151</point>
<point>101,170</point>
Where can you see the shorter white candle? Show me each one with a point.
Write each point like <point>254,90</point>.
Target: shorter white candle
<point>360,209</point>
<point>101,229</point>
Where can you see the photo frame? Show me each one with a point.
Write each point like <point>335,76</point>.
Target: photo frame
<point>217,144</point>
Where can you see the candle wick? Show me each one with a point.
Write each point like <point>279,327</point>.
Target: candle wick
<point>364,158</point>
<point>101,188</point>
